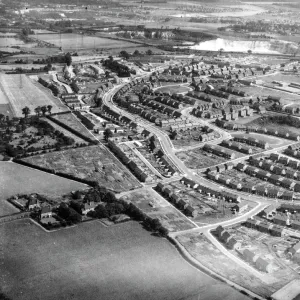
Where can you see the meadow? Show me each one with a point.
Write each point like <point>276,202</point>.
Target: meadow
<point>94,262</point>
<point>19,91</point>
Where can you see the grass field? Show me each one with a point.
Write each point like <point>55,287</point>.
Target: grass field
<point>72,41</point>
<point>174,89</point>
<point>15,179</point>
<point>92,163</point>
<point>19,91</point>
<point>94,262</point>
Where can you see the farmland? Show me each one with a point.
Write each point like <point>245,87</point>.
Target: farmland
<point>76,41</point>
<point>94,163</point>
<point>118,262</point>
<point>18,91</point>
<point>72,122</point>
<point>15,179</point>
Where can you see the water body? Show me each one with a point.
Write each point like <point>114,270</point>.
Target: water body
<point>272,46</point>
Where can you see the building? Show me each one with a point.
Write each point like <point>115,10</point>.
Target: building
<point>263,265</point>
<point>32,203</point>
<point>87,207</point>
<point>46,212</point>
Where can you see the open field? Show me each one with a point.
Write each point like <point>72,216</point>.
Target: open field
<point>280,77</point>
<point>20,91</point>
<point>174,89</point>
<point>94,163</point>
<point>15,179</point>
<point>155,206</point>
<point>91,261</point>
<point>210,256</point>
<point>72,41</point>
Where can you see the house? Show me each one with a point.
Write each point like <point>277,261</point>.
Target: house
<point>182,204</point>
<point>251,223</point>
<point>263,265</point>
<point>280,220</point>
<point>46,212</point>
<point>261,190</point>
<point>241,167</point>
<point>225,236</point>
<point>276,231</point>
<point>232,243</point>
<point>87,207</point>
<point>269,212</point>
<point>239,208</point>
<point>249,255</point>
<point>191,211</point>
<point>32,203</point>
<point>273,193</point>
<point>219,230</point>
<point>287,195</point>
<point>295,225</point>
<point>264,227</point>
<point>248,187</point>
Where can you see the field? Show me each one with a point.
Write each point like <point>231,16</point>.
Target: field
<point>210,256</point>
<point>91,261</point>
<point>19,91</point>
<point>93,163</point>
<point>174,89</point>
<point>259,91</point>
<point>15,179</point>
<point>198,158</point>
<point>74,41</point>
<point>155,206</point>
<point>71,121</point>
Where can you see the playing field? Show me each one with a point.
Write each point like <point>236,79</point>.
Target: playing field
<point>94,262</point>
<point>19,91</point>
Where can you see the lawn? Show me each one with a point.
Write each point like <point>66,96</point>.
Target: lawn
<point>15,179</point>
<point>72,122</point>
<point>94,163</point>
<point>20,91</point>
<point>91,261</point>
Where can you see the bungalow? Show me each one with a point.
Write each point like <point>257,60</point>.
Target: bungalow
<point>241,167</point>
<point>291,174</point>
<point>249,255</point>
<point>288,183</point>
<point>235,185</point>
<point>274,156</point>
<point>221,168</point>
<point>283,160</point>
<point>263,265</point>
<point>225,236</point>
<point>46,212</point>
<point>293,164</point>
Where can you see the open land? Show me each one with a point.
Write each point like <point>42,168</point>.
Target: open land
<point>173,89</point>
<point>76,41</point>
<point>91,261</point>
<point>19,91</point>
<point>94,163</point>
<point>17,179</point>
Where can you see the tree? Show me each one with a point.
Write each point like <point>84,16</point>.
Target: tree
<point>68,59</point>
<point>49,107</point>
<point>136,53</point>
<point>107,134</point>
<point>44,110</point>
<point>26,111</point>
<point>249,52</point>
<point>124,54</point>
<point>2,118</point>
<point>221,50</point>
<point>37,110</point>
<point>149,52</point>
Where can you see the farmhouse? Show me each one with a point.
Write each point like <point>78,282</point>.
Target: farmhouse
<point>46,212</point>
<point>87,207</point>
